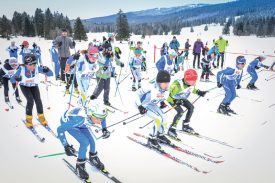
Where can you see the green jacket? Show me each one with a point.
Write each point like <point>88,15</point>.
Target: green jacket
<point>222,43</point>
<point>179,90</point>
<point>134,49</point>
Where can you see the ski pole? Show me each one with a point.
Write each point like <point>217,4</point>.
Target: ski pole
<point>215,96</point>
<point>16,88</point>
<point>118,80</point>
<point>49,155</point>
<point>47,89</point>
<point>168,111</point>
<point>98,130</point>
<point>270,78</point>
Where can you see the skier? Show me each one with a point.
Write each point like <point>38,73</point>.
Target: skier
<point>28,77</point>
<point>86,70</point>
<point>214,49</point>
<point>143,54</point>
<point>37,51</point>
<point>164,49</point>
<point>70,72</point>
<point>222,44</point>
<point>187,47</point>
<point>174,44</point>
<point>205,50</point>
<point>55,60</point>
<point>206,66</point>
<point>135,66</point>
<point>25,50</point>
<point>104,74</point>
<point>6,72</point>
<point>13,50</point>
<point>251,69</point>
<point>166,62</point>
<point>147,102</point>
<point>197,48</point>
<point>179,92</point>
<point>230,79</point>
<point>76,122</point>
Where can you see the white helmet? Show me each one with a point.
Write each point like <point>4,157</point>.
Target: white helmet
<point>97,110</point>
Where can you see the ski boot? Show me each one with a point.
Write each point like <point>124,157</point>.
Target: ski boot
<point>163,105</point>
<point>172,132</point>
<point>107,103</point>
<point>7,100</point>
<point>162,139</point>
<point>29,121</point>
<point>229,110</point>
<point>187,128</point>
<point>76,91</point>
<point>81,170</point>
<point>222,110</point>
<point>134,88</point>
<point>67,92</point>
<point>42,120</point>
<point>153,142</point>
<point>106,134</point>
<point>254,87</point>
<point>95,161</point>
<point>249,86</point>
<point>18,99</point>
<point>93,97</point>
<point>207,80</point>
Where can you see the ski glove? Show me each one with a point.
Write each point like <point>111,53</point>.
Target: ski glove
<point>76,56</point>
<point>266,67</point>
<point>239,86</point>
<point>34,45</point>
<point>73,44</point>
<point>201,93</point>
<point>70,150</point>
<point>18,78</point>
<point>45,69</point>
<point>219,85</point>
<point>142,110</point>
<point>105,68</point>
<point>121,64</point>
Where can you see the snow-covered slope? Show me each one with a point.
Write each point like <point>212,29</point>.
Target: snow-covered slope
<point>252,129</point>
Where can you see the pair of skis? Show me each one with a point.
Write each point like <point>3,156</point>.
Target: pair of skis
<point>104,172</point>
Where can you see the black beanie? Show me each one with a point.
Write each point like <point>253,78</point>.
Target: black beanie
<point>163,77</point>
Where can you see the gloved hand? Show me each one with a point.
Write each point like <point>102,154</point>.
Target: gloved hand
<point>145,51</point>
<point>45,69</point>
<point>22,47</point>
<point>73,43</point>
<point>72,66</point>
<point>257,67</point>
<point>70,150</point>
<point>121,64</point>
<point>105,68</point>
<point>201,93</point>
<point>142,110</point>
<point>18,78</point>
<point>76,56</point>
<point>239,86</point>
<point>266,67</point>
<point>59,44</point>
<point>143,59</point>
<point>34,45</point>
<point>219,85</point>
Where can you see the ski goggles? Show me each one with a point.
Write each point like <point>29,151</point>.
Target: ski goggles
<point>93,56</point>
<point>98,116</point>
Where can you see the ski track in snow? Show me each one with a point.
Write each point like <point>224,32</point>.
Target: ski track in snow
<point>131,163</point>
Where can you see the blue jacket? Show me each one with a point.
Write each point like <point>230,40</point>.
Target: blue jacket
<point>174,44</point>
<point>13,51</point>
<point>255,63</point>
<point>162,62</point>
<point>54,54</point>
<point>164,50</point>
<point>229,76</point>
<point>214,49</point>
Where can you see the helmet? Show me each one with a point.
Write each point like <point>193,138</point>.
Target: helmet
<point>13,61</point>
<point>97,110</point>
<point>25,43</point>
<point>163,77</point>
<point>190,75</point>
<point>29,59</point>
<point>93,53</point>
<point>138,51</point>
<point>240,60</point>
<point>262,57</point>
<point>173,53</point>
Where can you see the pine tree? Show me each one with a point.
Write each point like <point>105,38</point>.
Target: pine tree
<point>79,31</point>
<point>122,26</point>
<point>48,23</point>
<point>39,22</point>
<point>17,23</point>
<point>226,29</point>
<point>5,25</point>
<point>206,28</point>
<point>192,29</point>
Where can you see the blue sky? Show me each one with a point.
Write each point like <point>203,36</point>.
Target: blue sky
<point>91,8</point>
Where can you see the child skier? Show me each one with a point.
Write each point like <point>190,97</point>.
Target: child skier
<point>13,50</point>
<point>206,63</point>
<point>55,60</point>
<point>135,66</point>
<point>179,92</point>
<point>143,54</point>
<point>147,102</point>
<point>230,79</point>
<point>6,72</point>
<point>70,72</point>
<point>86,70</point>
<point>37,52</point>
<point>251,69</point>
<point>76,122</point>
<point>28,77</point>
<point>164,49</point>
<point>166,62</point>
<point>25,50</point>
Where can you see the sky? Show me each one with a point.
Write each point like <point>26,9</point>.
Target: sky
<point>91,8</point>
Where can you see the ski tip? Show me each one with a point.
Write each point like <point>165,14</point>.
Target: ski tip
<point>49,108</point>
<point>218,162</point>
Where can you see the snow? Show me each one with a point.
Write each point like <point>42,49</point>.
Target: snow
<point>252,129</point>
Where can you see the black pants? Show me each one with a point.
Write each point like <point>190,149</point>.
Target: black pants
<point>205,71</point>
<point>196,55</point>
<point>32,95</point>
<point>6,87</point>
<point>69,78</point>
<point>103,84</point>
<point>222,59</point>
<point>62,62</point>
<point>190,109</point>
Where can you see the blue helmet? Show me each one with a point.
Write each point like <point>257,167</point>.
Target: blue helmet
<point>138,51</point>
<point>240,60</point>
